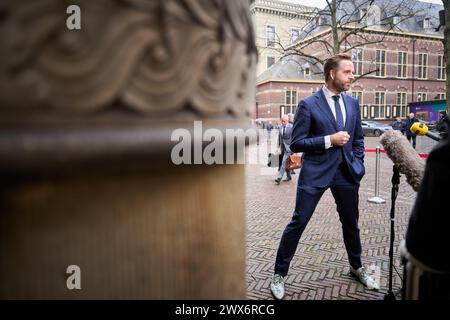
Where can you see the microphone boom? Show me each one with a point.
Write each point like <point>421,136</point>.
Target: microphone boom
<point>421,129</point>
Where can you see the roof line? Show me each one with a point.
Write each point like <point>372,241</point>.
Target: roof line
<point>288,80</point>
<point>393,32</point>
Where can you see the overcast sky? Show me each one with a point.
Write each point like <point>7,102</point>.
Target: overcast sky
<point>321,3</point>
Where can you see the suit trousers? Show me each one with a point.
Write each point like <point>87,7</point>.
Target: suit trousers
<point>282,169</point>
<point>345,193</point>
<point>413,138</point>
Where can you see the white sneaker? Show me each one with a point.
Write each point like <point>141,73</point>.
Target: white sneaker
<point>277,286</point>
<point>362,275</point>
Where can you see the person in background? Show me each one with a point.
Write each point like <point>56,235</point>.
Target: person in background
<point>397,125</point>
<point>441,126</point>
<point>269,129</point>
<point>408,124</point>
<point>284,140</point>
<point>291,118</point>
<point>259,127</point>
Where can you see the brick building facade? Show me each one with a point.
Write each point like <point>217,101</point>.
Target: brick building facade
<point>403,67</point>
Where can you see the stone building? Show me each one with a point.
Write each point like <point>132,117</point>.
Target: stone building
<point>277,24</point>
<point>404,66</point>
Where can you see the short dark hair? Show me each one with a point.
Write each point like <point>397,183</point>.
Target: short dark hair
<point>332,63</point>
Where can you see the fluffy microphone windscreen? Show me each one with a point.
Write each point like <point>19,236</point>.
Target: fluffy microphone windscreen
<point>405,158</point>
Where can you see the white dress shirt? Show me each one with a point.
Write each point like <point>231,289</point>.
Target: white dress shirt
<point>329,97</point>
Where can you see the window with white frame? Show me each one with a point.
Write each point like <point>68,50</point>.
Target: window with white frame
<point>380,60</point>
<point>295,35</point>
<point>307,71</point>
<point>380,104</point>
<point>270,35</point>
<point>270,61</point>
<point>423,65</point>
<point>357,57</point>
<point>402,62</point>
<point>441,96</point>
<point>290,101</point>
<point>426,23</point>
<point>421,96</point>
<point>396,20</point>
<point>401,104</point>
<point>441,68</point>
<point>358,95</point>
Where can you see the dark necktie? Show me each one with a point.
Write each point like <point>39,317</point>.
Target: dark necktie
<point>339,117</point>
<point>284,130</point>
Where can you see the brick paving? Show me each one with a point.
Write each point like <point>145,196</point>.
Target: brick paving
<point>319,269</point>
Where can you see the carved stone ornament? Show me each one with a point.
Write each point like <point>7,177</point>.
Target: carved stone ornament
<point>117,87</point>
<point>149,56</point>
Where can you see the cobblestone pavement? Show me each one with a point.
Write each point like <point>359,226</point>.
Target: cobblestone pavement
<point>319,269</point>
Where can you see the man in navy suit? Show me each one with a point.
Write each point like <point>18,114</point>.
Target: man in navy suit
<point>327,129</point>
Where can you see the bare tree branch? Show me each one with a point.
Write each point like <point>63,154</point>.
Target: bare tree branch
<point>343,25</point>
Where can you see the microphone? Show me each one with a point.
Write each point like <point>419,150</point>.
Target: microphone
<point>422,130</point>
<point>405,158</point>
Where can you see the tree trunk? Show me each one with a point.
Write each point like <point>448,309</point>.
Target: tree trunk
<point>336,43</point>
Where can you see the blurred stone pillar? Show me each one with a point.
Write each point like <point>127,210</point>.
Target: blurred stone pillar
<point>86,176</point>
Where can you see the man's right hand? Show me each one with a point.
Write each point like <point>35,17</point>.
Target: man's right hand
<point>339,138</point>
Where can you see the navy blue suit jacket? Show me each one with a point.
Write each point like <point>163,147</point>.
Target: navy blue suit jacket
<point>313,121</point>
